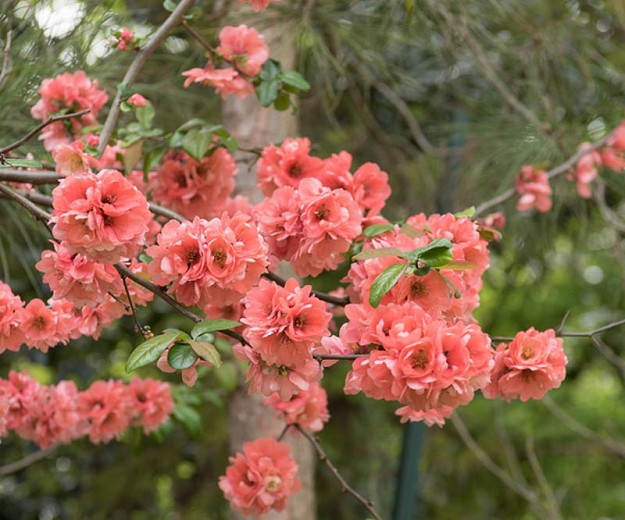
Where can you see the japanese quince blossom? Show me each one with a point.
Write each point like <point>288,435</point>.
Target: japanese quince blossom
<point>11,307</point>
<point>71,159</point>
<point>532,364</point>
<point>103,216</point>
<point>284,325</point>
<point>311,226</point>
<point>203,260</point>
<point>59,414</point>
<point>67,93</point>
<point>586,170</point>
<point>194,188</point>
<point>225,81</point>
<point>261,478</point>
<point>244,48</point>
<point>613,153</point>
<point>308,408</point>
<point>533,186</point>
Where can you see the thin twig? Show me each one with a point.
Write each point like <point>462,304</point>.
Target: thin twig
<point>337,357</point>
<point>195,35</point>
<point>34,210</point>
<point>283,432</point>
<point>41,126</point>
<point>135,68</point>
<point>558,170</point>
<point>553,506</point>
<point>344,485</point>
<point>334,300</point>
<point>131,305</point>
<point>14,467</point>
<point>609,354</point>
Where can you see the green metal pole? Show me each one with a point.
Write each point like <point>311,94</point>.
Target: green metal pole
<point>406,507</point>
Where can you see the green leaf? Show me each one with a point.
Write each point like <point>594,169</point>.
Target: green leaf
<point>132,156</point>
<point>267,92</point>
<point>149,351</point>
<point>451,284</point>
<point>23,163</point>
<point>282,102</point>
<point>411,231</point>
<point>377,229</point>
<point>271,69</point>
<point>197,142</point>
<point>225,139</point>
<point>488,234</point>
<point>206,351</point>
<point>228,376</point>
<point>189,418</point>
<point>169,5</point>
<point>460,265</point>
<point>124,91</point>
<point>380,253</point>
<point>153,157</point>
<point>181,356</point>
<point>296,80</point>
<point>385,282</point>
<point>469,212</point>
<point>145,115</point>
<point>438,257</point>
<point>213,325</point>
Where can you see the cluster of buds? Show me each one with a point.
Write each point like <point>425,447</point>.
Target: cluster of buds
<point>124,40</point>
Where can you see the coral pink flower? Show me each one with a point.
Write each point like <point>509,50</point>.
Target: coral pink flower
<point>106,405</point>
<point>75,277</point>
<point>194,188</point>
<point>103,217</point>
<point>262,478</point>
<point>66,93</point>
<point>287,165</point>
<point>11,306</point>
<point>225,81</point>
<point>308,408</point>
<point>137,101</point>
<point>41,327</point>
<point>283,323</point>
<point>533,186</point>
<point>370,189</point>
<point>613,153</point>
<point>259,5</point>
<point>586,170</point>
<point>244,47</point>
<point>71,159</point>
<point>152,402</point>
<point>533,364</point>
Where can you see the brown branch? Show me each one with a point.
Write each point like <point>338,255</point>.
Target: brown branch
<point>558,170</point>
<point>609,354</point>
<point>344,485</point>
<point>35,130</point>
<point>14,467</point>
<point>195,35</point>
<point>34,210</point>
<point>553,508</point>
<point>337,357</point>
<point>36,177</point>
<point>334,300</point>
<point>157,38</point>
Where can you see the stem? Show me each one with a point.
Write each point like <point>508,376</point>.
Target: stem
<point>132,307</point>
<point>38,177</point>
<point>34,210</point>
<point>35,130</point>
<point>344,485</point>
<point>172,21</point>
<point>334,300</point>
<point>14,467</point>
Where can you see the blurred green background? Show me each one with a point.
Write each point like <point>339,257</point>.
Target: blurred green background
<point>491,85</point>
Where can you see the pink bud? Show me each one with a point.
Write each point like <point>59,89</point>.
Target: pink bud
<point>137,100</point>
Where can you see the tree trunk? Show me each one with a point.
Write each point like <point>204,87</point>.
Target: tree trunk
<point>252,125</point>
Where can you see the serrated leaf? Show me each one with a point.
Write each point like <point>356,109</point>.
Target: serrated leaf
<point>206,351</point>
<point>267,92</point>
<point>149,351</point>
<point>469,212</point>
<point>282,102</point>
<point>181,356</point>
<point>145,115</point>
<point>212,326</point>
<point>23,163</point>
<point>380,253</point>
<point>460,265</point>
<point>377,229</point>
<point>296,80</point>
<point>411,231</point>
<point>132,156</point>
<point>384,282</point>
<point>197,142</point>
<point>434,245</point>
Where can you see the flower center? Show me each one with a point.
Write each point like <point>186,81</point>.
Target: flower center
<point>220,258</point>
<point>272,483</point>
<point>418,289</point>
<point>321,213</point>
<point>300,321</point>
<point>420,360</point>
<point>295,170</point>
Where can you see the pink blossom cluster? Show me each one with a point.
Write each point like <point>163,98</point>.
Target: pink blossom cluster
<point>103,216</point>
<point>533,186</point>
<point>73,159</point>
<point>125,40</point>
<point>586,170</point>
<point>425,349</point>
<point>194,188</point>
<point>245,50</point>
<point>259,5</point>
<point>42,326</point>
<point>308,408</point>
<point>532,364</point>
<point>291,162</point>
<point>613,153</point>
<point>209,260</point>
<point>63,94</point>
<point>261,478</point>
<point>284,326</point>
<point>60,413</point>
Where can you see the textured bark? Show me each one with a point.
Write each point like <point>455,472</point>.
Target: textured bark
<point>253,125</point>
